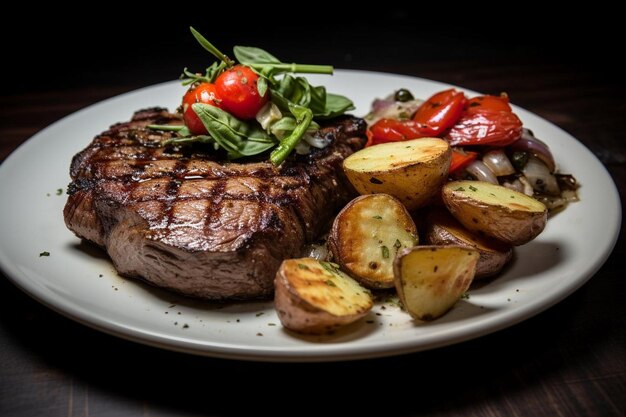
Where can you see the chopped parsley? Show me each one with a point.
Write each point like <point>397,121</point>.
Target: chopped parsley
<point>397,245</point>
<point>303,266</point>
<point>385,251</point>
<point>471,187</point>
<point>44,253</point>
<point>465,296</point>
<point>377,217</point>
<point>330,283</point>
<point>459,189</point>
<point>59,191</point>
<point>260,314</point>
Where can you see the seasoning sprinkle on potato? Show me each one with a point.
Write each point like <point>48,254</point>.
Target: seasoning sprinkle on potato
<point>367,235</point>
<point>413,171</point>
<point>316,297</point>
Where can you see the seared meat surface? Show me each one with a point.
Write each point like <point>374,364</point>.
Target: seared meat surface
<point>182,219</point>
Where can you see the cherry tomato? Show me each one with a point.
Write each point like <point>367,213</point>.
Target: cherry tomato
<point>238,89</point>
<point>488,104</point>
<point>202,93</point>
<point>392,130</point>
<point>440,112</point>
<point>461,159</point>
<point>495,128</point>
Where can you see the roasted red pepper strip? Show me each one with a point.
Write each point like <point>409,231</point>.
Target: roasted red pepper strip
<point>486,128</point>
<point>440,112</point>
<point>488,120</point>
<point>460,160</point>
<point>392,130</point>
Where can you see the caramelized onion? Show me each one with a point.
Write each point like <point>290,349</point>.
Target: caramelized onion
<point>540,178</point>
<point>530,143</point>
<point>481,172</point>
<point>497,161</point>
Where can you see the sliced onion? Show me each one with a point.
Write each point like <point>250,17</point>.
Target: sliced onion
<point>527,188</point>
<point>380,105</point>
<point>268,114</point>
<point>390,109</point>
<point>498,163</point>
<point>316,141</point>
<point>535,146</point>
<point>317,251</point>
<point>302,148</point>
<point>514,185</point>
<point>481,172</point>
<point>539,176</point>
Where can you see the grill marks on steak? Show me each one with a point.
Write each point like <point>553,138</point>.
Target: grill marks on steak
<point>181,219</point>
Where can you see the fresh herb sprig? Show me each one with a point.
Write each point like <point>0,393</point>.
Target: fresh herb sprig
<point>299,102</point>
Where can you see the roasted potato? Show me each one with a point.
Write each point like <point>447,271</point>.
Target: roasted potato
<point>441,229</point>
<point>315,297</point>
<point>431,279</point>
<point>366,236</point>
<point>412,171</point>
<point>511,217</point>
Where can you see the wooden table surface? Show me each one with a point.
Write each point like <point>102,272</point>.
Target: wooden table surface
<point>569,360</point>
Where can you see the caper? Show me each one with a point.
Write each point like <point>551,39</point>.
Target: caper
<point>403,95</point>
<point>519,160</point>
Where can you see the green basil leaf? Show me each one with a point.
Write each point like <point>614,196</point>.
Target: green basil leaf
<point>318,100</point>
<point>335,105</point>
<point>248,55</point>
<point>261,86</point>
<point>238,138</point>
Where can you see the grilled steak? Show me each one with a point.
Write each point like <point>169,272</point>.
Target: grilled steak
<point>182,219</point>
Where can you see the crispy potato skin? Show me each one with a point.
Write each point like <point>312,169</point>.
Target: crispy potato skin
<point>298,311</point>
<point>368,228</point>
<point>442,229</point>
<point>412,171</point>
<point>514,221</point>
<point>431,279</point>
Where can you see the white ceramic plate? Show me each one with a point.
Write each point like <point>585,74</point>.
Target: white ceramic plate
<point>80,282</point>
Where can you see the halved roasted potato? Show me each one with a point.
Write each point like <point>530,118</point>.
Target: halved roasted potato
<point>315,297</point>
<point>496,211</point>
<point>431,279</point>
<point>441,229</point>
<point>366,236</point>
<point>412,171</point>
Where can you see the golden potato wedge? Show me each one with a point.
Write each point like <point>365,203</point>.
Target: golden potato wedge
<point>412,171</point>
<point>315,297</point>
<point>366,236</point>
<point>442,229</point>
<point>511,217</point>
<point>431,279</point>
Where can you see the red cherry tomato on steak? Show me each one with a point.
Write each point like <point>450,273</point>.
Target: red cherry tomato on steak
<point>392,130</point>
<point>202,93</point>
<point>440,112</point>
<point>237,87</point>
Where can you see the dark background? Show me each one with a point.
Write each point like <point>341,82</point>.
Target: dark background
<point>69,48</point>
<point>569,360</point>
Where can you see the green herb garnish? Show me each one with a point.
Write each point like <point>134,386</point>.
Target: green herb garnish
<point>385,250</point>
<point>377,217</point>
<point>295,97</point>
<point>471,187</point>
<point>44,253</point>
<point>330,283</point>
